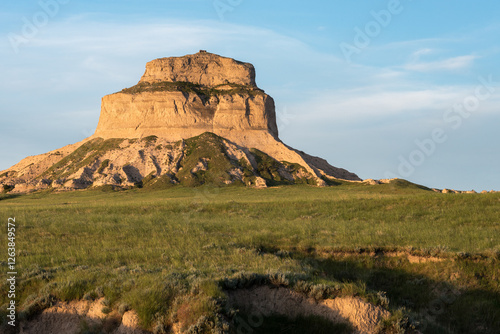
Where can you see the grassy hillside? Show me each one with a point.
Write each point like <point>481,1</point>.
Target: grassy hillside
<point>154,251</point>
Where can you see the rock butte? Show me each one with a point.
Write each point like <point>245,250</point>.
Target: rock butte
<point>182,97</point>
<point>178,98</point>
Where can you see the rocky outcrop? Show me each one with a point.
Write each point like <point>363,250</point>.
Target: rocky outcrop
<point>190,120</point>
<point>243,118</point>
<point>203,68</point>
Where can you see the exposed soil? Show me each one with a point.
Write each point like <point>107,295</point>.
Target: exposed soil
<point>76,316</point>
<point>412,258</point>
<point>79,316</point>
<point>264,300</point>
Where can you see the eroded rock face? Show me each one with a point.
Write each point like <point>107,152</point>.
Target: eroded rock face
<point>177,115</point>
<point>158,163</point>
<point>202,68</point>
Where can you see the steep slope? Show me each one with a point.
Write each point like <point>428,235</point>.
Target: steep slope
<point>157,163</point>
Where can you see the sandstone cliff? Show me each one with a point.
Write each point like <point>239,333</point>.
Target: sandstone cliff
<point>190,120</point>
<point>203,68</point>
<point>242,117</point>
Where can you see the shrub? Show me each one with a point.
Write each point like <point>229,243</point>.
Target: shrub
<point>103,166</point>
<point>36,304</point>
<point>397,323</point>
<point>152,303</point>
<point>194,308</point>
<point>72,290</point>
<point>7,187</point>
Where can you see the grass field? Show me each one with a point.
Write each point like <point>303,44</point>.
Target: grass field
<point>153,251</point>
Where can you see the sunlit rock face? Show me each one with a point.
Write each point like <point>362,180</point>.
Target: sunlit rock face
<point>192,120</point>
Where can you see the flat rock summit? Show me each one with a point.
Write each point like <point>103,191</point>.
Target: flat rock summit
<point>191,120</point>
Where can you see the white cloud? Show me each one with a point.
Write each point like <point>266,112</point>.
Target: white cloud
<point>426,51</point>
<point>174,36</point>
<point>450,64</point>
<point>379,103</point>
<point>360,104</point>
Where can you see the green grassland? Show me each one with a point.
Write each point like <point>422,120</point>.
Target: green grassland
<point>170,254</point>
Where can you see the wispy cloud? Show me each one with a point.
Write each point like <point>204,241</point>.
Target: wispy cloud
<point>415,56</point>
<point>377,103</point>
<point>81,50</point>
<point>449,64</point>
<point>372,103</point>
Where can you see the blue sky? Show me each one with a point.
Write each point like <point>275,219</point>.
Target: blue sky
<point>389,88</point>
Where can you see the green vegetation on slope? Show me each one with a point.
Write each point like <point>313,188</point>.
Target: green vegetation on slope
<point>206,149</point>
<point>157,251</point>
<point>85,155</point>
<point>188,87</point>
<point>207,155</point>
<point>205,161</point>
<point>269,169</point>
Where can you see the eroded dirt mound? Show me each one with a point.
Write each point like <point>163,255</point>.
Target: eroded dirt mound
<point>363,316</point>
<point>80,316</point>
